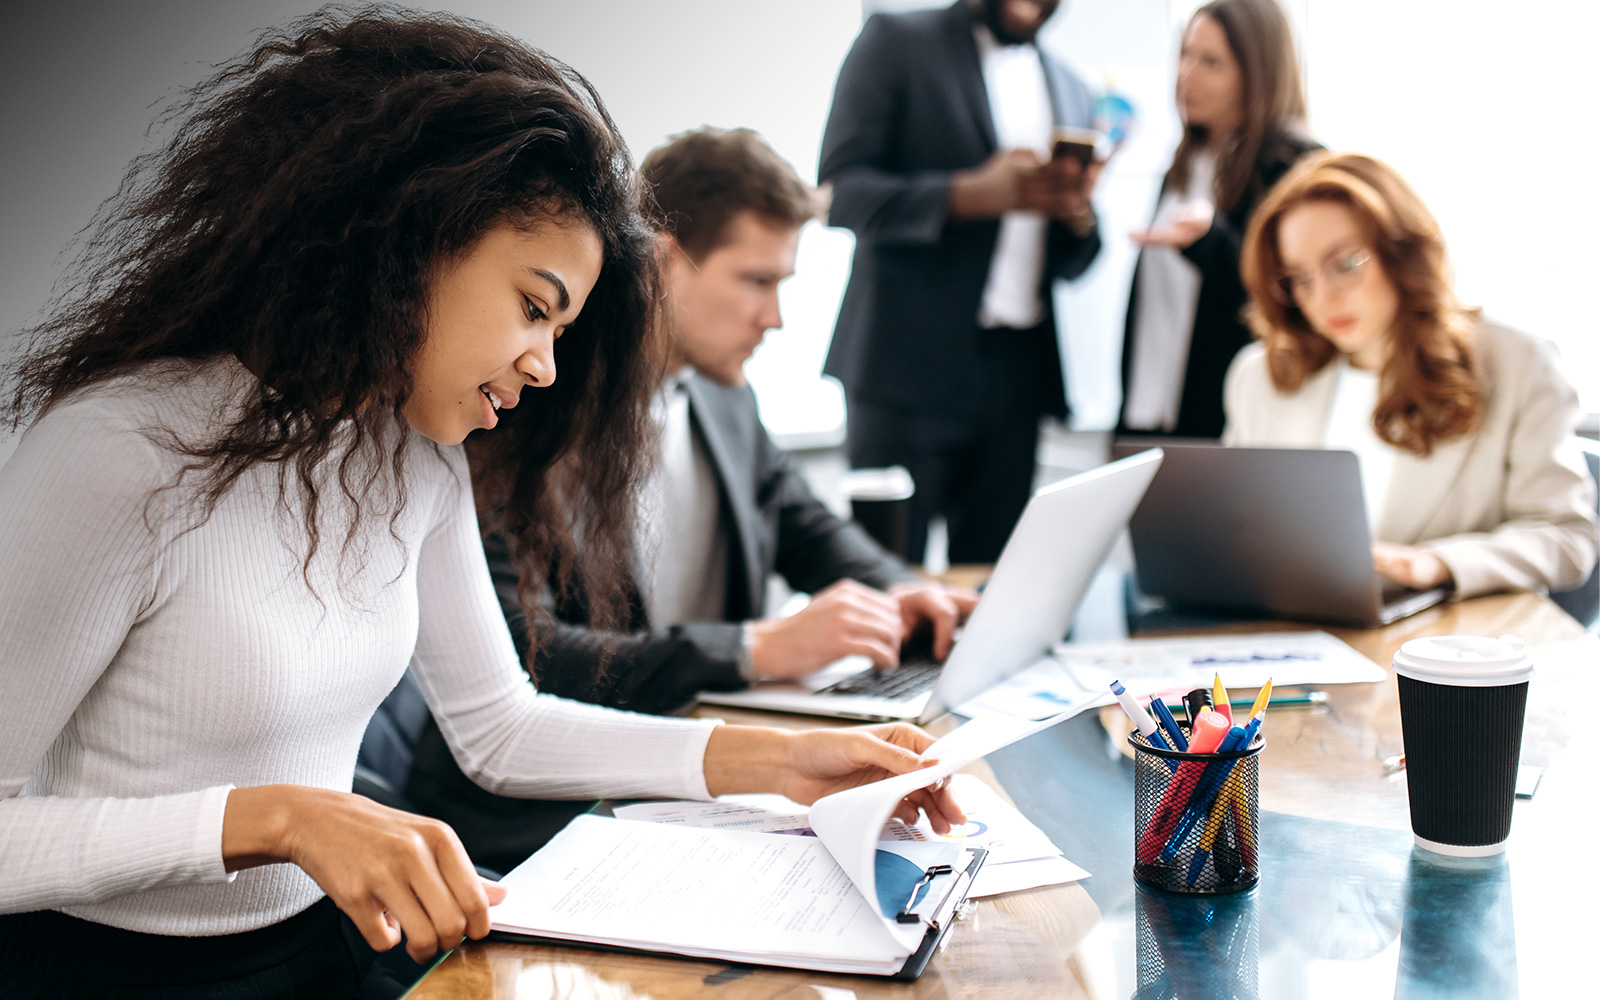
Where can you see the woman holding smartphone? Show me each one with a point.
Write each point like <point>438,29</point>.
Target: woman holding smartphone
<point>1463,428</point>
<point>1239,96</point>
<point>242,508</point>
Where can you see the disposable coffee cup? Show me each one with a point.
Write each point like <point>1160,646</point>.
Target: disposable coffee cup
<point>1462,700</point>
<point>880,501</point>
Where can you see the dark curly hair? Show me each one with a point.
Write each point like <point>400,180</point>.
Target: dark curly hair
<point>1431,388</point>
<point>293,218</point>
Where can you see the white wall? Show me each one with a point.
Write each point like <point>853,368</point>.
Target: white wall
<point>1488,109</point>
<point>81,80</point>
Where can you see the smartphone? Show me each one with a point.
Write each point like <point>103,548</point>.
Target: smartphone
<point>1080,144</point>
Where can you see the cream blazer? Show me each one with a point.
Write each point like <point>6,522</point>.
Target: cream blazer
<point>1509,507</point>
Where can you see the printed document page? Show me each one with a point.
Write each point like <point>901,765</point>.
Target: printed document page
<point>847,820</point>
<point>1020,856</point>
<point>701,892</point>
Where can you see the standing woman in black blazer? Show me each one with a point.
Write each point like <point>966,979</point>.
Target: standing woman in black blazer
<point>1240,99</point>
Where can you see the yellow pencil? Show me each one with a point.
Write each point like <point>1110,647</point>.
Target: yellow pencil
<point>1219,697</point>
<point>1261,699</point>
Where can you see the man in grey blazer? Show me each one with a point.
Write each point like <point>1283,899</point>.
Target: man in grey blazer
<point>725,509</point>
<point>938,150</point>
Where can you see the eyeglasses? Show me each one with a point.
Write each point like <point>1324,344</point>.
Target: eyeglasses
<point>1341,272</point>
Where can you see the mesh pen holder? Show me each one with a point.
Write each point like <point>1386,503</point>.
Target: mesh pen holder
<point>1195,818</point>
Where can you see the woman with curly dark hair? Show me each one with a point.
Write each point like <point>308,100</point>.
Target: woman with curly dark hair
<point>1463,428</point>
<point>242,508</point>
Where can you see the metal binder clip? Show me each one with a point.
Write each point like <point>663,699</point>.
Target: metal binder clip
<point>905,916</point>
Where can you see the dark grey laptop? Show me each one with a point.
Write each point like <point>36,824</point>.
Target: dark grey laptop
<point>1275,531</point>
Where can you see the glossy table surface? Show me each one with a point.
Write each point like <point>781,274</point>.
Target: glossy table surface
<point>1346,907</point>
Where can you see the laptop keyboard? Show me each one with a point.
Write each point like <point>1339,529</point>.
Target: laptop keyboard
<point>907,680</point>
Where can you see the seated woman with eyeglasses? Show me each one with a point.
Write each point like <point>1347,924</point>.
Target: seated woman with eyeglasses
<point>1463,428</point>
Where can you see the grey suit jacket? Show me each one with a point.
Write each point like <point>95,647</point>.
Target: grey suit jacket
<point>909,110</point>
<point>773,524</point>
<point>1508,507</point>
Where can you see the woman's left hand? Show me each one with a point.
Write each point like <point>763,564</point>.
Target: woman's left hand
<point>1410,566</point>
<point>1188,225</point>
<point>805,765</point>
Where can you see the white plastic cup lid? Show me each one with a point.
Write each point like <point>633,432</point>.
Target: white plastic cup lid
<point>892,483</point>
<point>1465,660</point>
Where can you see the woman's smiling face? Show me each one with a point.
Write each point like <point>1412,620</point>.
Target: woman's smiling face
<point>493,315</point>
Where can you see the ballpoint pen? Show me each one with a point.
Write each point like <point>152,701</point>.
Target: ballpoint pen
<point>1169,724</point>
<point>1207,789</point>
<point>1141,719</point>
<point>1210,729</point>
<point>1214,825</point>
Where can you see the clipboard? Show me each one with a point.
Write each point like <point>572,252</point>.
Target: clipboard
<point>948,892</point>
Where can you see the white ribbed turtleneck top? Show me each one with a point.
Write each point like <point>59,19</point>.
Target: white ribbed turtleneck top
<point>145,670</point>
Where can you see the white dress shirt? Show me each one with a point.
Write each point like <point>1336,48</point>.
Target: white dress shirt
<point>682,551</point>
<point>1024,118</point>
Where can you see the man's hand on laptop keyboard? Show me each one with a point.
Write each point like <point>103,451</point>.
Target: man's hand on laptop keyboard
<point>943,608</point>
<point>852,618</point>
<point>844,619</point>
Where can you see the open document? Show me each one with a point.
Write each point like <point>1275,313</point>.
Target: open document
<point>1020,855</point>
<point>842,901</point>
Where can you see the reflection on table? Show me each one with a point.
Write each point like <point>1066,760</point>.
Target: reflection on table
<point>1346,906</point>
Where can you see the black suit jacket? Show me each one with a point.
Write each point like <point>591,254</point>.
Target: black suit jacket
<point>773,524</point>
<point>1219,332</point>
<point>909,110</point>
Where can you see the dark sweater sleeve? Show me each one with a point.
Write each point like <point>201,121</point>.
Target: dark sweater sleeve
<point>652,670</point>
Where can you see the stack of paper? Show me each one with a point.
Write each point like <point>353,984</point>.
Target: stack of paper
<point>1021,856</point>
<point>842,901</point>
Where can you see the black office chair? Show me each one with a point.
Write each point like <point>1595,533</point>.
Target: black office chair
<point>1583,601</point>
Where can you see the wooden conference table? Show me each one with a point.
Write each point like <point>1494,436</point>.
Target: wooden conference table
<point>1346,907</point>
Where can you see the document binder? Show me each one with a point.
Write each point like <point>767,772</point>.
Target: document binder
<point>844,900</point>
<point>937,912</point>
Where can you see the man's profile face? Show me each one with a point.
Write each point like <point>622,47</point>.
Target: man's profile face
<point>723,306</point>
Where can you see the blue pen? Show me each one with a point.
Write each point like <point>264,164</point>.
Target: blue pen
<point>1198,864</point>
<point>1169,724</point>
<point>1210,784</point>
<point>1216,773</point>
<point>1142,721</point>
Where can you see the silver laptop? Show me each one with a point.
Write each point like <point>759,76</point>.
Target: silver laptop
<point>1065,533</point>
<point>1274,531</point>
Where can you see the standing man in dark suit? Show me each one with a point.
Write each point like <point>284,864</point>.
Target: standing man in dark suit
<point>938,150</point>
<point>725,508</point>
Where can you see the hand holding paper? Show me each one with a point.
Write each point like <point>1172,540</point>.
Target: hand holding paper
<point>810,764</point>
<point>847,820</point>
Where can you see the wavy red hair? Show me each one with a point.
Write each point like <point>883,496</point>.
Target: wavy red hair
<point>1430,389</point>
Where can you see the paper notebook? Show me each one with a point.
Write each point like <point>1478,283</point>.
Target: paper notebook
<point>841,901</point>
